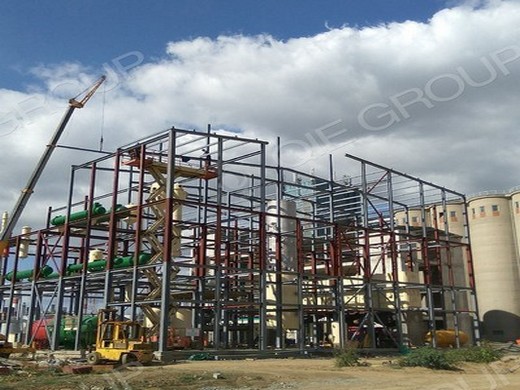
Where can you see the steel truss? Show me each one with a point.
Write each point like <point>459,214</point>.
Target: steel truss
<point>197,235</point>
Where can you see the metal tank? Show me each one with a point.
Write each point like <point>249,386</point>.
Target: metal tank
<point>515,216</point>
<point>69,327</point>
<point>282,221</point>
<point>452,217</point>
<point>413,218</point>
<point>43,328</point>
<point>496,266</point>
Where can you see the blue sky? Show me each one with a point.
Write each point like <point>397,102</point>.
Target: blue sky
<point>37,32</point>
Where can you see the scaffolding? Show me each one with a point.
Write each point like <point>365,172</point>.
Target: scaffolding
<point>195,234</point>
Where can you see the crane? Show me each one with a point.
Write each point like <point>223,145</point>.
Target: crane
<point>26,193</point>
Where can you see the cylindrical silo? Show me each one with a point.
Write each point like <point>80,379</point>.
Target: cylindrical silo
<point>282,220</point>
<point>451,214</point>
<point>24,243</point>
<point>412,217</point>
<point>496,267</point>
<point>281,224</point>
<point>515,216</point>
<point>180,194</point>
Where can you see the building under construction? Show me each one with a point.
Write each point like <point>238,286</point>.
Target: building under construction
<point>198,237</point>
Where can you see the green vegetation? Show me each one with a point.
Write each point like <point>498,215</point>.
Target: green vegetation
<point>428,357</point>
<point>347,357</point>
<point>447,359</point>
<point>477,354</point>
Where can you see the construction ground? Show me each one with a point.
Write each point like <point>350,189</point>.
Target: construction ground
<point>289,373</point>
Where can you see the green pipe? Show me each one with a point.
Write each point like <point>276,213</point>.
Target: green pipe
<point>97,265</point>
<point>74,268</point>
<point>28,273</point>
<point>97,209</point>
<point>128,261</point>
<point>121,212</point>
<point>100,265</point>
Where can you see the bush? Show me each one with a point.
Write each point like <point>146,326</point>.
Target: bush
<point>477,354</point>
<point>347,357</point>
<point>428,357</point>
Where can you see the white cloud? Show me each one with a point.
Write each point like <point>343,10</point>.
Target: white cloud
<point>421,79</point>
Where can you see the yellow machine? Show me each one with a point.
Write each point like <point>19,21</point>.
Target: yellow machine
<point>120,341</point>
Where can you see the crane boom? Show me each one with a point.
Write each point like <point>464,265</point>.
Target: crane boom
<point>33,179</point>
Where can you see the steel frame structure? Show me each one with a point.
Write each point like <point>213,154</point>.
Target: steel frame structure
<point>190,210</point>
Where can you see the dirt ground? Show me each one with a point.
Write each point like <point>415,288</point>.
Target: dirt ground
<point>276,374</point>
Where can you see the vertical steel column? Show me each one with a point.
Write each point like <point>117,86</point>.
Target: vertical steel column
<point>167,256</point>
<point>331,194</point>
<point>278,240</point>
<point>262,343</point>
<point>251,265</point>
<point>393,248</point>
<point>218,261</point>
<point>451,277</point>
<point>471,271</point>
<point>112,233</point>
<point>10,303</point>
<point>55,342</point>
<point>369,302</point>
<point>299,278</point>
<point>33,300</point>
<point>138,231</point>
<point>85,255</point>
<point>427,279</point>
<point>337,260</point>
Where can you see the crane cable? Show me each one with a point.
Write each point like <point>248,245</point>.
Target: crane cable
<point>101,139</point>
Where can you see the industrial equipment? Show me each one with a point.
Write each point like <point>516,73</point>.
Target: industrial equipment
<point>69,326</point>
<point>120,341</point>
<point>29,188</point>
<point>447,338</point>
<point>7,348</point>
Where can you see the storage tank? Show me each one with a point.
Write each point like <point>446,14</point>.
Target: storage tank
<point>515,213</point>
<point>453,214</point>
<point>43,327</point>
<point>454,263</point>
<point>24,243</point>
<point>414,218</point>
<point>496,267</point>
<point>39,331</point>
<point>279,223</point>
<point>69,328</point>
<point>95,254</point>
<point>180,194</point>
<point>447,338</point>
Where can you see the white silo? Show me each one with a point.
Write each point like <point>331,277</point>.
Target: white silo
<point>451,214</point>
<point>496,267</point>
<point>281,222</point>
<point>412,217</point>
<point>515,216</point>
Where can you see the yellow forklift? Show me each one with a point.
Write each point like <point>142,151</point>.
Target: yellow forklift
<point>120,341</point>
